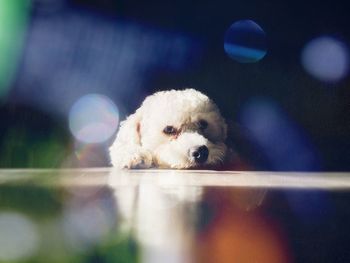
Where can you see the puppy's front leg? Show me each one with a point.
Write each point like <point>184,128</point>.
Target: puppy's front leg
<point>127,151</point>
<point>133,158</point>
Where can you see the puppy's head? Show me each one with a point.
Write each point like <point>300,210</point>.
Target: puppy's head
<point>182,129</point>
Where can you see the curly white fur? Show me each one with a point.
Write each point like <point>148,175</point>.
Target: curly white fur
<point>142,143</point>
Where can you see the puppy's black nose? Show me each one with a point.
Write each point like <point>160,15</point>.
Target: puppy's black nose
<point>199,153</point>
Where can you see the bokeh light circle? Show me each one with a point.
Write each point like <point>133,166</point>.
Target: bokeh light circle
<point>87,225</point>
<point>245,42</point>
<point>326,59</point>
<point>19,237</point>
<point>93,118</point>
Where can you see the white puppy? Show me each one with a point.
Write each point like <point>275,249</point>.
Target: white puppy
<point>172,129</point>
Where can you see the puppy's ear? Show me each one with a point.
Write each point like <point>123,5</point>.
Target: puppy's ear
<point>127,142</point>
<point>224,129</point>
<point>127,150</point>
<point>130,130</point>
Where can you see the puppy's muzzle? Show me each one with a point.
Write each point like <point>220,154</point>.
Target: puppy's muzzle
<point>199,154</point>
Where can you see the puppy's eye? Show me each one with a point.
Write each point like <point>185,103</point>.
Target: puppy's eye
<point>170,130</point>
<point>203,124</point>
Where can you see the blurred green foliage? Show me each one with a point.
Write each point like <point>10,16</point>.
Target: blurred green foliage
<point>35,201</point>
<point>44,206</point>
<point>22,149</point>
<point>32,139</point>
<point>13,22</point>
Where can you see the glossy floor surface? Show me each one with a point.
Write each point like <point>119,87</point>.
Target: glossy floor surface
<point>106,215</point>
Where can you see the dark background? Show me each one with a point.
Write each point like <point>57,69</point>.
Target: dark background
<point>128,49</point>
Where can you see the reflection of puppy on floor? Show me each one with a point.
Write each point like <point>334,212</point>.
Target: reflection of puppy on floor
<point>172,129</point>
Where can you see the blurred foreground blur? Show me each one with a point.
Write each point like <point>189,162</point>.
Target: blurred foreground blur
<point>106,215</point>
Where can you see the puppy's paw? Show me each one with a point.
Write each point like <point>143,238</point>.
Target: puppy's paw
<point>140,160</point>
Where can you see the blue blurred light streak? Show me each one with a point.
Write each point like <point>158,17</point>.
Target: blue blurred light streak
<point>288,149</point>
<point>284,144</point>
<point>73,52</point>
<point>249,53</point>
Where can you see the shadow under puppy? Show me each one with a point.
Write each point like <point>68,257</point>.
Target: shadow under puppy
<point>178,129</point>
